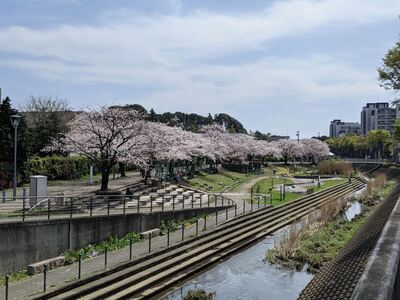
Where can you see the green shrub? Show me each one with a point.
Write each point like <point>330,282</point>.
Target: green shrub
<point>112,243</point>
<point>198,295</point>
<point>58,167</point>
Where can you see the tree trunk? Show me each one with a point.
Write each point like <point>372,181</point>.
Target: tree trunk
<point>105,174</point>
<point>122,169</point>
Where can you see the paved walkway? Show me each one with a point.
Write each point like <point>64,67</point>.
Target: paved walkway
<point>82,186</point>
<point>33,285</point>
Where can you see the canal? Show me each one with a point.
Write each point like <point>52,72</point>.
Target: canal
<point>247,276</point>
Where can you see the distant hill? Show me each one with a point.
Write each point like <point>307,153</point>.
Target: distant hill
<point>190,122</point>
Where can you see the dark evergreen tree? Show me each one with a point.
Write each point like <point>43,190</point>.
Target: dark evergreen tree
<point>231,124</point>
<point>7,144</point>
<point>152,115</point>
<point>261,136</point>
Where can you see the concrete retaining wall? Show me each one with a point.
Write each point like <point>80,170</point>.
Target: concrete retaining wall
<point>380,279</point>
<point>23,243</point>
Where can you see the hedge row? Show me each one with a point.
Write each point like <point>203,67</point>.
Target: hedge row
<point>58,167</point>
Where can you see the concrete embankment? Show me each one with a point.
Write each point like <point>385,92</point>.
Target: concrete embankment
<point>23,243</point>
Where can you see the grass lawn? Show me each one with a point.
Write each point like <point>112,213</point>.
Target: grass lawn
<point>263,185</point>
<point>328,183</point>
<point>299,170</point>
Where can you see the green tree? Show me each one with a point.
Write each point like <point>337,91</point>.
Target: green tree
<point>379,142</point>
<point>261,136</point>
<point>7,144</point>
<point>232,125</point>
<point>389,73</point>
<point>352,146</point>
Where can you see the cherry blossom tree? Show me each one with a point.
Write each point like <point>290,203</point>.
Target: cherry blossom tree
<point>289,149</point>
<point>104,135</point>
<point>158,142</point>
<point>314,149</point>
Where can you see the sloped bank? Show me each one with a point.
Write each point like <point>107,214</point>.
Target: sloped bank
<point>320,243</point>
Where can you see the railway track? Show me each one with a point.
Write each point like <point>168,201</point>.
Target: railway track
<point>154,274</point>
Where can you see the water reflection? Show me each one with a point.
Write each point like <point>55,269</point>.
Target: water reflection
<point>354,209</point>
<point>246,276</point>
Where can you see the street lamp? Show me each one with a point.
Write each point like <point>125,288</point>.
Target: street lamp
<point>15,119</point>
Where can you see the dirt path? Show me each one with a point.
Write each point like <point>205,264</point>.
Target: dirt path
<point>246,186</point>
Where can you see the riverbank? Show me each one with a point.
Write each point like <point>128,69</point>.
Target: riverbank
<point>320,243</point>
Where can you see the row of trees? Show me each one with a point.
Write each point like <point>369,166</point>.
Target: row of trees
<point>377,144</point>
<point>113,135</point>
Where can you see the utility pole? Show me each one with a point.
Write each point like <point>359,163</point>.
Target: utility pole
<point>298,135</point>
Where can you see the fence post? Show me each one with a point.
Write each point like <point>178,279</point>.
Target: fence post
<point>173,202</point>
<point>192,200</point>
<point>151,203</point>
<point>222,197</point>
<point>24,193</point>
<point>216,217</point>
<point>205,223</point>
<point>197,227</point>
<point>201,200</point>
<point>70,207</point>
<point>258,202</point>
<point>45,278</point>
<point>105,257</point>
<point>244,206</point>
<point>23,209</point>
<point>4,195</point>
<point>130,248</point>
<point>150,242</point>
<point>183,231</point>
<point>138,204</point>
<point>226,214</point>
<point>163,199</point>
<point>168,237</point>
<point>235,209</point>
<point>108,206</point>
<point>91,206</point>
<point>124,208</point>
<point>79,266</point>
<point>251,204</point>
<point>48,209</point>
<point>208,200</point>
<point>6,284</point>
<point>183,202</point>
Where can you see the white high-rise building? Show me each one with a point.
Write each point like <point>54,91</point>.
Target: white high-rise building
<point>377,116</point>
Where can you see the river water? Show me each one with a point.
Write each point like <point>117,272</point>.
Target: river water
<point>247,276</point>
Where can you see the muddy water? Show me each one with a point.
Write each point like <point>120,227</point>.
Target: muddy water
<point>247,276</point>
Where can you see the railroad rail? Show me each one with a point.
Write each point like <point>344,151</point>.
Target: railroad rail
<point>157,273</point>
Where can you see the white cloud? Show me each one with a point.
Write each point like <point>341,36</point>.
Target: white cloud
<point>171,54</point>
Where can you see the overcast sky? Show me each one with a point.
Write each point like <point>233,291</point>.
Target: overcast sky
<point>277,66</point>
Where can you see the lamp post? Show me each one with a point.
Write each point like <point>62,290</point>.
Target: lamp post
<point>15,122</point>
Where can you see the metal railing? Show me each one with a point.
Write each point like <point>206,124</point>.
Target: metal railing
<point>59,206</point>
<point>366,160</point>
<point>132,250</point>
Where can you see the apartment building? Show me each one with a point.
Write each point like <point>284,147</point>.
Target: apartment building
<point>340,128</point>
